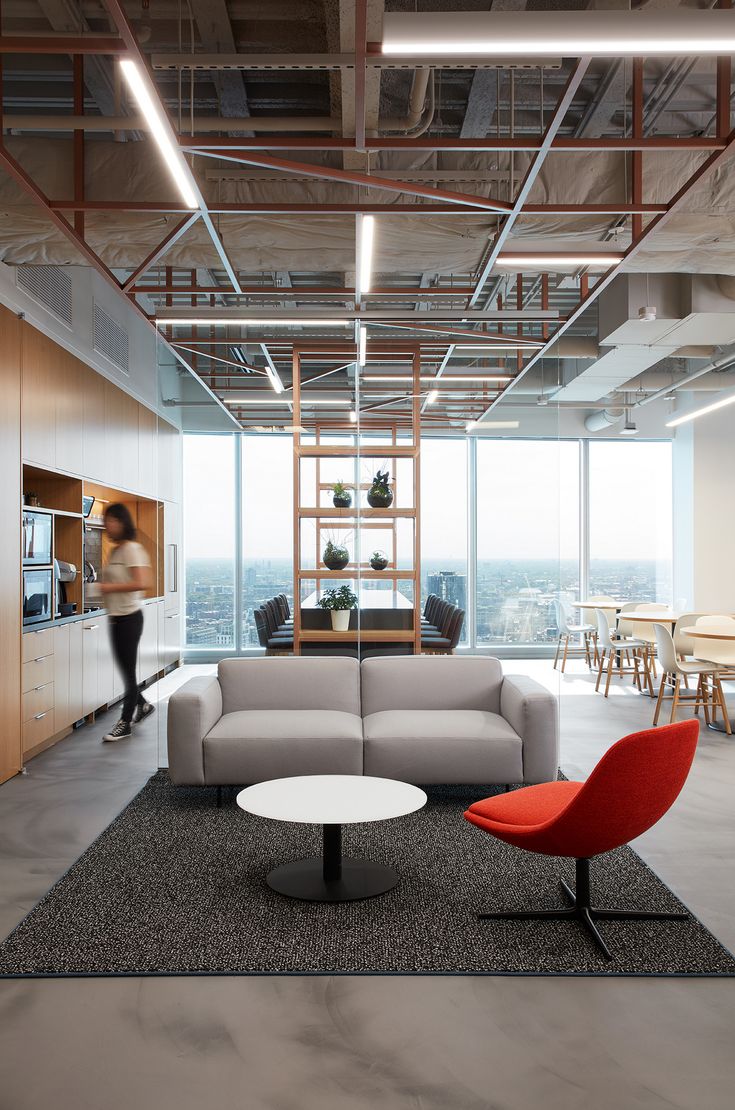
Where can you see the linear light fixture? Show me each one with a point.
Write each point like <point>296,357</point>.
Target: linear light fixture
<point>160,132</point>
<point>556,261</point>
<point>365,242</point>
<point>353,416</point>
<point>260,322</point>
<point>723,402</point>
<point>245,398</point>
<point>433,396</point>
<point>271,371</point>
<point>473,424</point>
<point>362,345</point>
<point>684,32</point>
<point>432,378</point>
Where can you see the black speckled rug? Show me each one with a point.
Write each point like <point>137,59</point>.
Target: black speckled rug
<point>175,886</point>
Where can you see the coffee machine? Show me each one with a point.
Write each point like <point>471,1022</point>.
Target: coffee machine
<point>63,574</point>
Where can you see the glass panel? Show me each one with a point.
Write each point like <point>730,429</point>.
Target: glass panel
<point>209,540</point>
<point>527,537</point>
<point>444,522</point>
<point>630,520</point>
<point>267,525</point>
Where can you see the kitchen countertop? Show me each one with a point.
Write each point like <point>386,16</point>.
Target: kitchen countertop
<point>89,615</point>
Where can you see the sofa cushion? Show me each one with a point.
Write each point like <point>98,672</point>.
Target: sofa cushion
<point>439,682</point>
<point>290,683</point>
<point>425,746</point>
<point>252,746</point>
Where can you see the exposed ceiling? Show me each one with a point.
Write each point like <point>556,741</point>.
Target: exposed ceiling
<point>293,127</point>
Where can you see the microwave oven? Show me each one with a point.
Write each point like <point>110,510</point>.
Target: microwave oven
<point>38,595</point>
<point>38,538</point>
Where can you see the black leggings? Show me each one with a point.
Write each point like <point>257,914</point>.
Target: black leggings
<point>125,633</point>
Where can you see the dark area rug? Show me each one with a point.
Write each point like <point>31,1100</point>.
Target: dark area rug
<point>177,886</point>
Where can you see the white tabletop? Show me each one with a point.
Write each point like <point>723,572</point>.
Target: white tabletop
<point>597,604</point>
<point>331,799</point>
<point>708,633</point>
<point>663,616</point>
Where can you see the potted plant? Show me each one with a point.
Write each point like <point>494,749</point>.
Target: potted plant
<point>341,496</point>
<point>380,495</point>
<point>339,602</point>
<point>378,560</point>
<point>335,556</point>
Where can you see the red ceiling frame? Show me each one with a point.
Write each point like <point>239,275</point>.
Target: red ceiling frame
<point>158,252</point>
<point>62,44</point>
<point>499,144</point>
<point>360,71</point>
<point>307,208</point>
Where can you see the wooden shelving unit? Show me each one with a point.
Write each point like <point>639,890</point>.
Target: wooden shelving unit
<point>360,519</point>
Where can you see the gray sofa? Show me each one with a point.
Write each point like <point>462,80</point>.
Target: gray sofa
<point>421,719</point>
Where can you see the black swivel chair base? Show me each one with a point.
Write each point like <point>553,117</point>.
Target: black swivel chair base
<point>582,911</point>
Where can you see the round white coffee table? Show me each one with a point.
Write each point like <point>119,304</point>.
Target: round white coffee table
<point>331,801</point>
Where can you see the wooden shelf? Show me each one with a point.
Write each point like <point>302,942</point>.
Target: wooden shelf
<point>347,514</point>
<point>355,572</point>
<point>335,451</point>
<point>368,635</point>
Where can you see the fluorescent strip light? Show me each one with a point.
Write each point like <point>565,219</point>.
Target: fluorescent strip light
<point>696,413</point>
<point>433,378</point>
<point>365,255</point>
<point>432,397</point>
<point>214,322</point>
<point>271,371</point>
<point>153,117</point>
<point>557,261</point>
<point>569,34</point>
<point>245,399</point>
<point>362,346</point>
<point>472,424</point>
<point>353,416</point>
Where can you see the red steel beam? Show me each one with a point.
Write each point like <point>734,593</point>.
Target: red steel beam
<point>339,209</point>
<point>365,180</point>
<point>636,162</point>
<point>635,248</point>
<point>78,142</point>
<point>489,145</point>
<point>158,252</point>
<point>724,83</point>
<point>360,71</point>
<point>62,44</point>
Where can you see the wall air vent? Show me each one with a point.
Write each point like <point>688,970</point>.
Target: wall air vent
<point>49,286</point>
<point>110,339</point>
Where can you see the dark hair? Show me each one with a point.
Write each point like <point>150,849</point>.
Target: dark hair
<point>121,513</point>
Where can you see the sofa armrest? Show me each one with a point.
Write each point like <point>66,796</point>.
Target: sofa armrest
<point>192,712</point>
<point>534,714</point>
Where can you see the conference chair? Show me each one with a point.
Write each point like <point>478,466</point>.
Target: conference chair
<point>612,649</point>
<point>568,631</point>
<point>630,789</point>
<point>708,694</point>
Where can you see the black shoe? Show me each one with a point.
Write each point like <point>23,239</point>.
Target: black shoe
<point>121,731</point>
<point>143,711</point>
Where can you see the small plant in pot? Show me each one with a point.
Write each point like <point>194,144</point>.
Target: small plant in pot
<point>341,496</point>
<point>335,556</point>
<point>378,560</point>
<point>380,495</point>
<point>339,602</point>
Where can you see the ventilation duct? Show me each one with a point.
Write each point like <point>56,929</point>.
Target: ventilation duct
<point>110,339</point>
<point>49,286</point>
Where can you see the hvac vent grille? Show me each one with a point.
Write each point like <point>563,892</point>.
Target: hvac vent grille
<point>50,286</point>
<point>110,339</point>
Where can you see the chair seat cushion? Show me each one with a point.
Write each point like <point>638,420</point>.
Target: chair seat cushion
<point>249,746</point>
<point>420,745</point>
<point>533,805</point>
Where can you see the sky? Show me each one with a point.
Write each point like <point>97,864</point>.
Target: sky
<point>527,492</point>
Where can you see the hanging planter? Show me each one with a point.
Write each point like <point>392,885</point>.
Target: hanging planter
<point>335,556</point>
<point>380,495</point>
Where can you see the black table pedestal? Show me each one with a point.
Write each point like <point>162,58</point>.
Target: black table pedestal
<point>332,878</point>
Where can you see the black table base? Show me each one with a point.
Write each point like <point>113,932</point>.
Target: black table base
<point>332,878</point>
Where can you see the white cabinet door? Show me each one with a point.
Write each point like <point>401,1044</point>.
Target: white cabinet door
<point>90,666</point>
<point>105,664</point>
<point>171,557</point>
<point>62,706</point>
<point>148,649</point>
<point>76,671</point>
<point>172,638</point>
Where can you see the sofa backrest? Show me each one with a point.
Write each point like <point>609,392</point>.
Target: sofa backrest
<point>430,682</point>
<point>282,682</point>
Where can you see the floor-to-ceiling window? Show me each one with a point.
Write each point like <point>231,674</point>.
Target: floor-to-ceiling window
<point>527,536</point>
<point>267,525</point>
<point>209,540</point>
<point>630,524</point>
<point>444,535</point>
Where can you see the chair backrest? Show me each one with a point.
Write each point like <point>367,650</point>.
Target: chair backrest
<point>685,645</point>
<point>445,682</point>
<point>626,628</point>
<point>603,629</point>
<point>271,623</point>
<point>443,614</point>
<point>290,682</point>
<point>643,630</point>
<point>431,604</point>
<point>260,627</point>
<point>274,612</point>
<point>283,607</point>
<point>631,788</point>
<point>563,614</point>
<point>455,628</point>
<point>589,616</point>
<point>665,648</point>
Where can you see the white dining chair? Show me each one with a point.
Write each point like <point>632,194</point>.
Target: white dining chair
<point>612,649</point>
<point>708,694</point>
<point>568,630</point>
<point>680,604</point>
<point>643,630</point>
<point>718,651</point>
<point>589,616</point>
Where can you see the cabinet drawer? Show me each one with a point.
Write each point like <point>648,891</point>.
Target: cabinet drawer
<point>37,730</point>
<point>37,672</point>
<point>38,701</point>
<point>38,644</point>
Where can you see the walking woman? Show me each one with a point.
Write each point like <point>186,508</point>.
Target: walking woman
<point>125,576</point>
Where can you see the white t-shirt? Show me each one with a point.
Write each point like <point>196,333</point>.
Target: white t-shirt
<point>117,569</point>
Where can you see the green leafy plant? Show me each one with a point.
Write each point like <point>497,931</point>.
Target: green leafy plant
<point>339,489</point>
<point>341,598</point>
<point>335,553</point>
<point>381,483</point>
<point>378,560</point>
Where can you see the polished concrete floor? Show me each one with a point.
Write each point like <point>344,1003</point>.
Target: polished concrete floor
<point>353,1043</point>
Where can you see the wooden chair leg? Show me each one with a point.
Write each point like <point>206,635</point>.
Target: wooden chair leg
<point>587,648</point>
<point>675,699</point>
<point>558,649</point>
<point>717,684</point>
<point>600,670</point>
<point>566,651</point>
<point>659,700</point>
<point>610,670</point>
